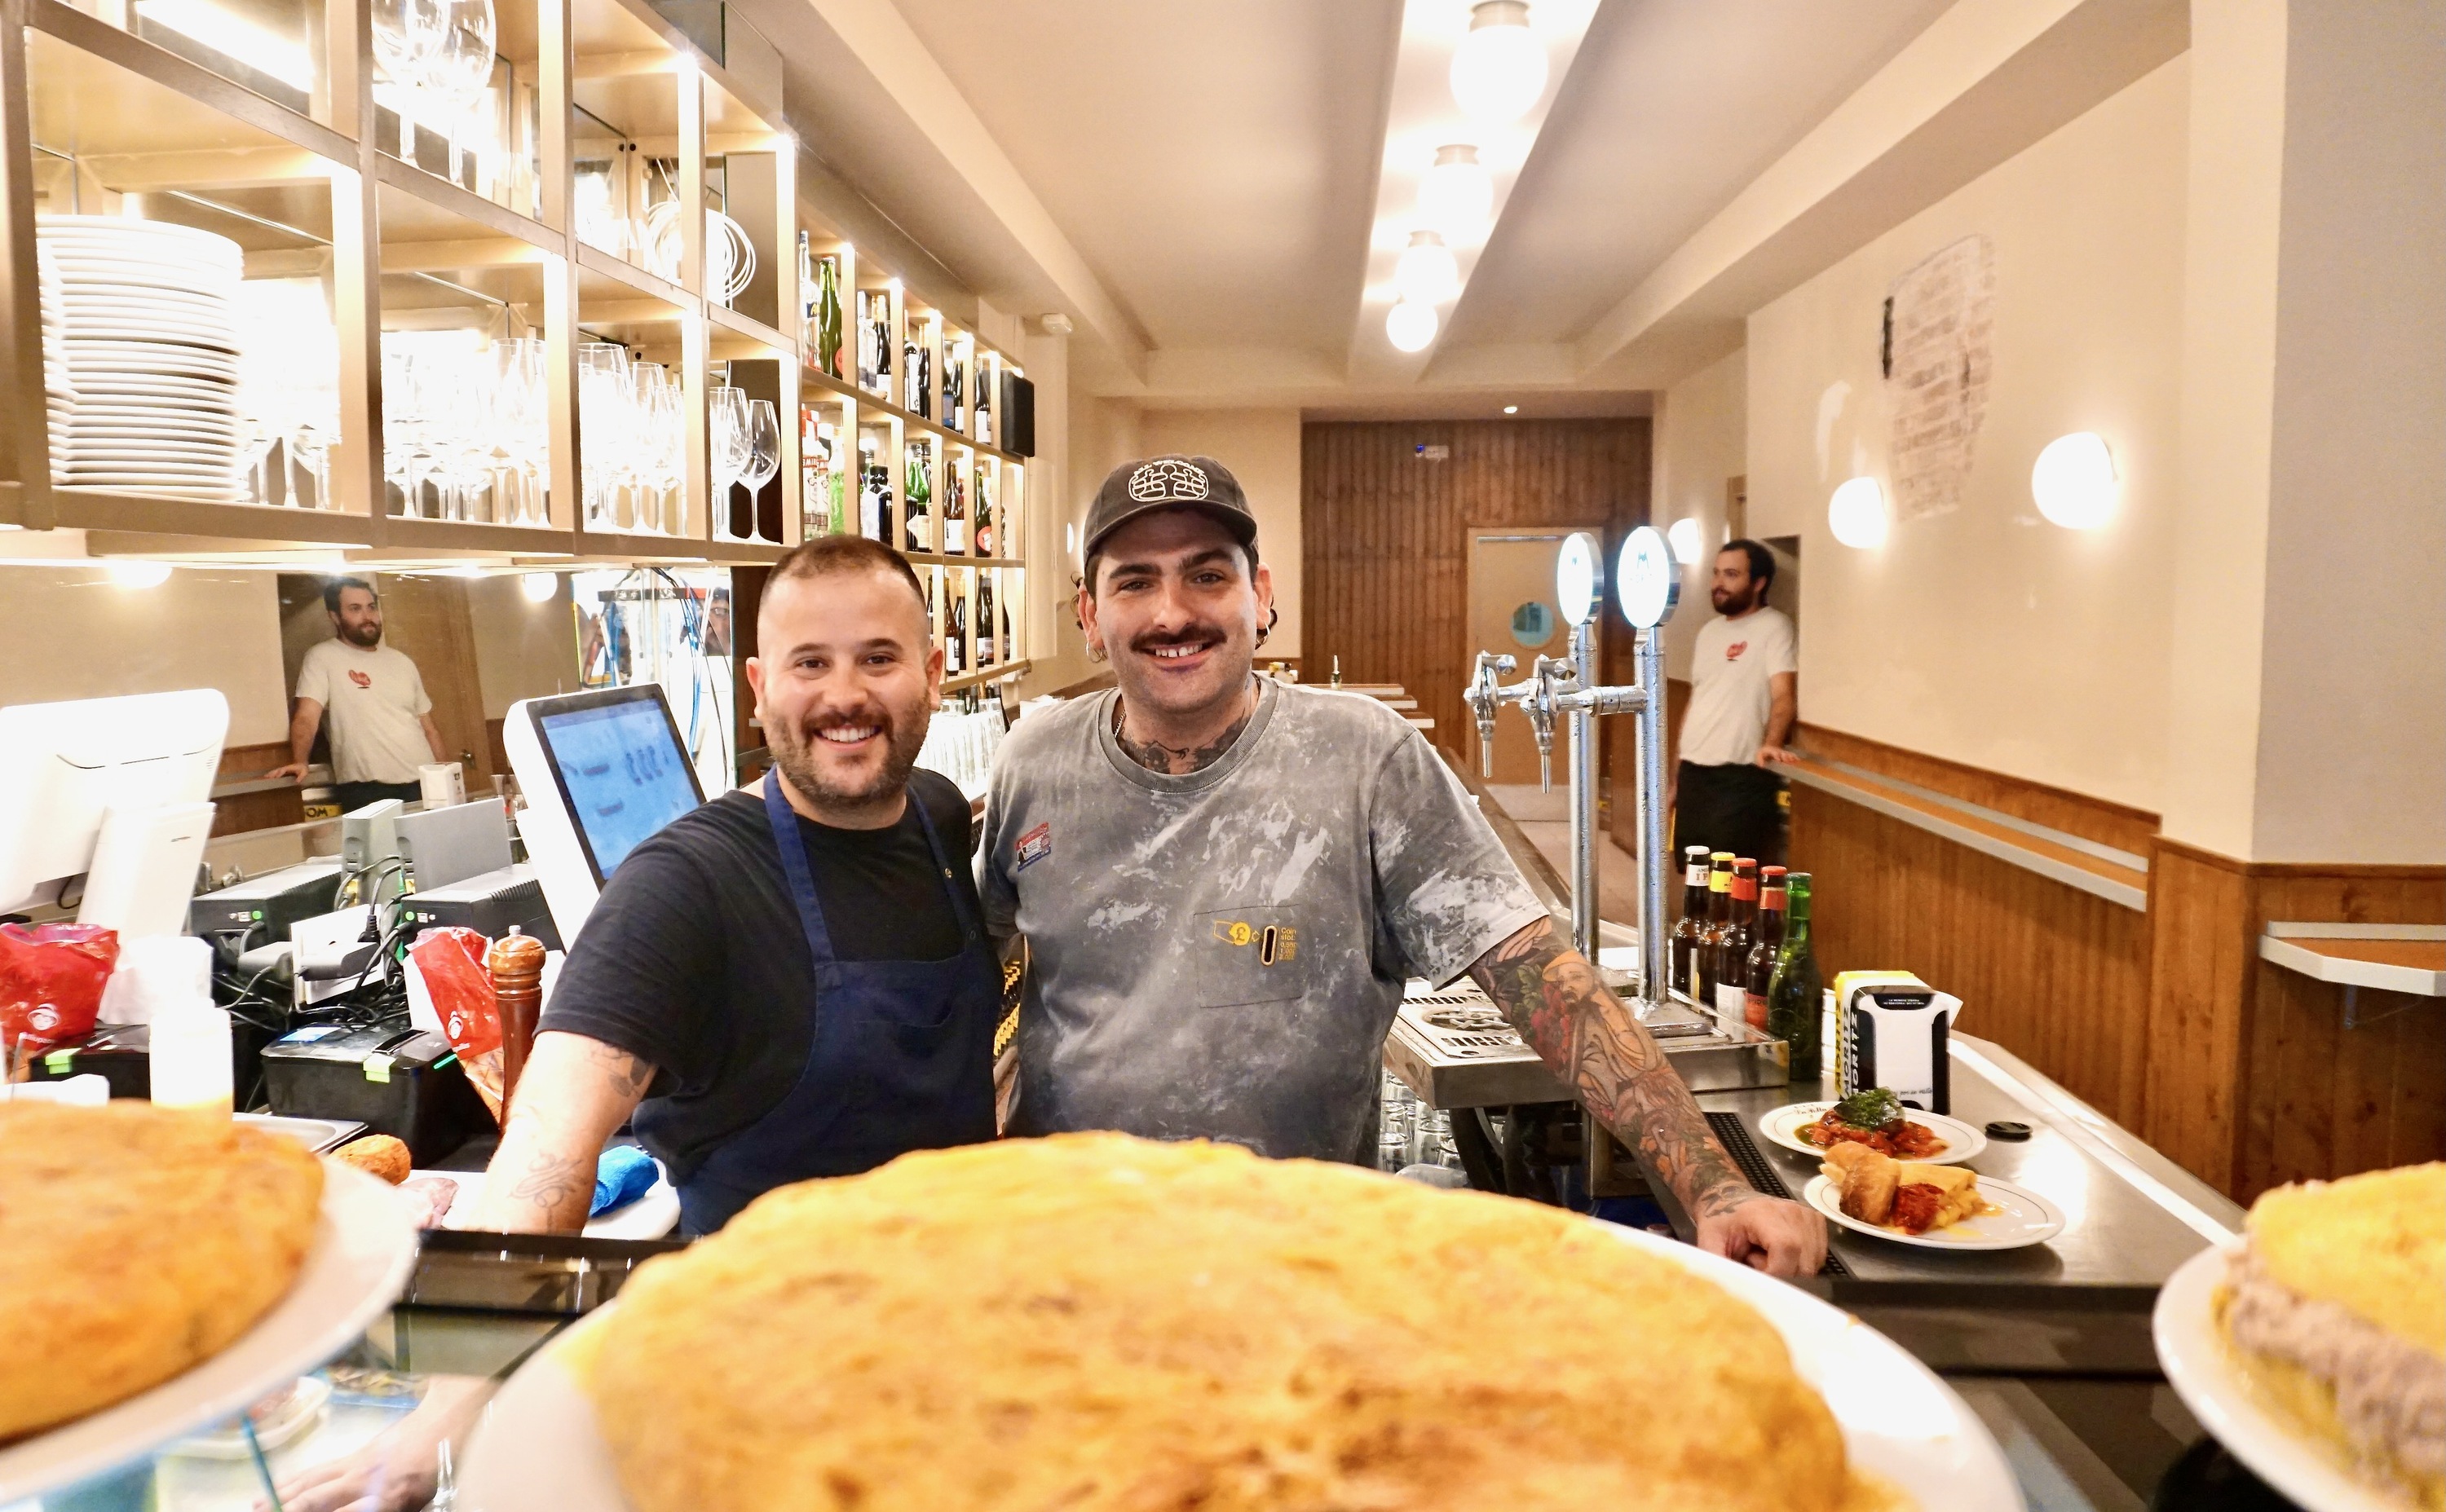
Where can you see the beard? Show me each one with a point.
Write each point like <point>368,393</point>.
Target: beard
<point>794,746</point>
<point>364,637</point>
<point>1726,603</point>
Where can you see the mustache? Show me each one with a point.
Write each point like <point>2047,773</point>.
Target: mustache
<point>817,724</point>
<point>1186,635</point>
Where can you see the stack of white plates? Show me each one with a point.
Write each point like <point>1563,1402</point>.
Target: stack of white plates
<point>150,346</point>
<point>59,391</point>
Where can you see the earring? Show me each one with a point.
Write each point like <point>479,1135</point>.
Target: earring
<point>1096,652</point>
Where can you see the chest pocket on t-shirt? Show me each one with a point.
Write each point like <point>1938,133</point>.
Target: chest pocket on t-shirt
<point>1250,954</point>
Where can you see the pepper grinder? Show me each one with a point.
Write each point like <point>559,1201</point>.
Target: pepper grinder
<point>516,962</point>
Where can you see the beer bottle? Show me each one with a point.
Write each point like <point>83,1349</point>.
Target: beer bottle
<point>1759,971</point>
<point>1733,953</point>
<point>1711,934</point>
<point>1694,908</point>
<point>1795,994</point>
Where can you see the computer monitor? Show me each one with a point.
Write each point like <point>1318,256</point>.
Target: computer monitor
<point>600,772</point>
<point>116,791</point>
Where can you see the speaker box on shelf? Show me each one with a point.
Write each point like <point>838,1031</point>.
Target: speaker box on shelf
<point>1017,406</point>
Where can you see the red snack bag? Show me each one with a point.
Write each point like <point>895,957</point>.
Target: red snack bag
<point>452,963</point>
<point>52,978</point>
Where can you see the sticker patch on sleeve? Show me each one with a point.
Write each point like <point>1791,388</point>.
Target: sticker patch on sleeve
<point>1033,847</point>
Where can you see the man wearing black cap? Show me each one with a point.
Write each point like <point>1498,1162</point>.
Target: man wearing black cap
<point>1224,881</point>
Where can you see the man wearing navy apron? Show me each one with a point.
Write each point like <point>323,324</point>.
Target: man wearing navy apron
<point>794,980</point>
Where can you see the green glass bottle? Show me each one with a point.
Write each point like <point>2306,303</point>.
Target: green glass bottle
<point>828,316</point>
<point>1795,998</point>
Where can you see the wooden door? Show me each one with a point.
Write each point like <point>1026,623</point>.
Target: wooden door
<point>1512,610</point>
<point>427,618</point>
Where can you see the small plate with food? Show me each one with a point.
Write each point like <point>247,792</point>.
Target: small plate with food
<point>1933,1207</point>
<point>1877,1119</point>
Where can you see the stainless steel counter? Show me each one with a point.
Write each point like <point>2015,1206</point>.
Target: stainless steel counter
<point>2131,1216</point>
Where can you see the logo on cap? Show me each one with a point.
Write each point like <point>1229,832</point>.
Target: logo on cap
<point>1167,479</point>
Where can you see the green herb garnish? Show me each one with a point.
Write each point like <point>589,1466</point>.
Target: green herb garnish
<point>1873,1108</point>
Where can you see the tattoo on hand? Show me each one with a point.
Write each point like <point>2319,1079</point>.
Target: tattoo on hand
<point>1589,1038</point>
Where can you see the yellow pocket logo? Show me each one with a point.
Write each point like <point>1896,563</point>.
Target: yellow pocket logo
<point>1274,943</point>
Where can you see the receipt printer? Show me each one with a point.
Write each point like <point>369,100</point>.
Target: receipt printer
<point>1895,1031</point>
<point>392,1078</point>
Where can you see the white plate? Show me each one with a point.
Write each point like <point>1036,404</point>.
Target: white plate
<point>2027,1219</point>
<point>182,357</point>
<point>2201,1367</point>
<point>1962,1141</point>
<point>231,494</point>
<point>653,1215</point>
<point>538,1446</point>
<point>362,1253</point>
<point>165,333</point>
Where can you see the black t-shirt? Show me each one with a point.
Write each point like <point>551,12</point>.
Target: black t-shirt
<point>695,960</point>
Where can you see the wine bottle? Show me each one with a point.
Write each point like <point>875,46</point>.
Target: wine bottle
<point>956,643</point>
<point>1733,950</point>
<point>1794,996</point>
<point>828,316</point>
<point>882,308</point>
<point>986,656</point>
<point>1759,971</point>
<point>921,369</point>
<point>865,339</point>
<point>815,480</point>
<point>985,531</point>
<point>955,516</point>
<point>919,492</point>
<point>985,407</point>
<point>1686,929</point>
<point>954,377</point>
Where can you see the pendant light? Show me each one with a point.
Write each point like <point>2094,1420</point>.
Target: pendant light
<point>1426,272</point>
<point>1410,325</point>
<point>1498,70</point>
<point>1458,194</point>
<point>1856,514</point>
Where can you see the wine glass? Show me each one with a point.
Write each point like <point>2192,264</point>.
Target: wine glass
<point>602,388</point>
<point>763,457</point>
<point>727,449</point>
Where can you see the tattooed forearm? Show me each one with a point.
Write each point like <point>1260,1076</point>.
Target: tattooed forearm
<point>575,1091</point>
<point>549,1180</point>
<point>1591,1040</point>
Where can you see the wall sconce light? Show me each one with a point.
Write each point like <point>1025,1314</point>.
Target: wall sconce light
<point>133,574</point>
<point>1683,538</point>
<point>1498,70</point>
<point>539,586</point>
<point>1410,325</point>
<point>1856,514</point>
<point>2074,482</point>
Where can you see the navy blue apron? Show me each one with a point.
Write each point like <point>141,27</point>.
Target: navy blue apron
<point>901,1058</point>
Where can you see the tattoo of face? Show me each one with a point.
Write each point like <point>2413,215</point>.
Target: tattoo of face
<point>1176,760</point>
<point>1590,1039</point>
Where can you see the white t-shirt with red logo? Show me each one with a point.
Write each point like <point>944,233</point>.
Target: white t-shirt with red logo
<point>1729,693</point>
<point>372,701</point>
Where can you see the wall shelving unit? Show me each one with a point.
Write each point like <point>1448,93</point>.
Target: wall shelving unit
<point>292,143</point>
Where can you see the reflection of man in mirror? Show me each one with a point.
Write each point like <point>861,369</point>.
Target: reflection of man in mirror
<point>717,623</point>
<point>381,721</point>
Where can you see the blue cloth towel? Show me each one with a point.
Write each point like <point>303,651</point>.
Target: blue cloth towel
<point>624,1174</point>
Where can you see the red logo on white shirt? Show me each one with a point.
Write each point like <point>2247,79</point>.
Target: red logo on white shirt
<point>1732,652</point>
<point>360,679</point>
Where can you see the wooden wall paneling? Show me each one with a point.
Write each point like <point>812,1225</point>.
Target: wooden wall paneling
<point>267,810</point>
<point>2202,947</point>
<point>1384,535</point>
<point>2110,824</point>
<point>2056,975</point>
<point>427,618</point>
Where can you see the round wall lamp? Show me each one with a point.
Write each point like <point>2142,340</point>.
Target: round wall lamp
<point>136,574</point>
<point>1683,538</point>
<point>1646,579</point>
<point>1498,70</point>
<point>1458,194</point>
<point>1410,325</point>
<point>539,586</point>
<point>2074,482</point>
<point>1427,272</point>
<point>1856,514</point>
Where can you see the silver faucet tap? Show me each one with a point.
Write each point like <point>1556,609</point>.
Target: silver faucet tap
<point>1553,676</point>
<point>1484,695</point>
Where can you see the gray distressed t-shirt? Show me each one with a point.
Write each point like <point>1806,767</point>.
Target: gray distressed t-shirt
<point>1220,955</point>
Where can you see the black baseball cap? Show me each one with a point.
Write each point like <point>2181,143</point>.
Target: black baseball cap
<point>1199,483</point>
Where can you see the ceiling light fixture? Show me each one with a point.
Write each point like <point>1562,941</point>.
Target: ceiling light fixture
<point>2074,482</point>
<point>539,586</point>
<point>1498,70</point>
<point>1457,196</point>
<point>1427,272</point>
<point>1856,514</point>
<point>1410,325</point>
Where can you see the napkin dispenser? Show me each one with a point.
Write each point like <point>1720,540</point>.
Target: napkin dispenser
<point>1894,1037</point>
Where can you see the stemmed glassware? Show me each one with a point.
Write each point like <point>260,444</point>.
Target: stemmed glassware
<point>727,449</point>
<point>763,458</point>
<point>437,58</point>
<point>463,431</point>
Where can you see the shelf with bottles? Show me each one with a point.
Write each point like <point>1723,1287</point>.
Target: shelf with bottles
<point>878,484</point>
<point>875,356</point>
<point>828,486</point>
<point>921,494</point>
